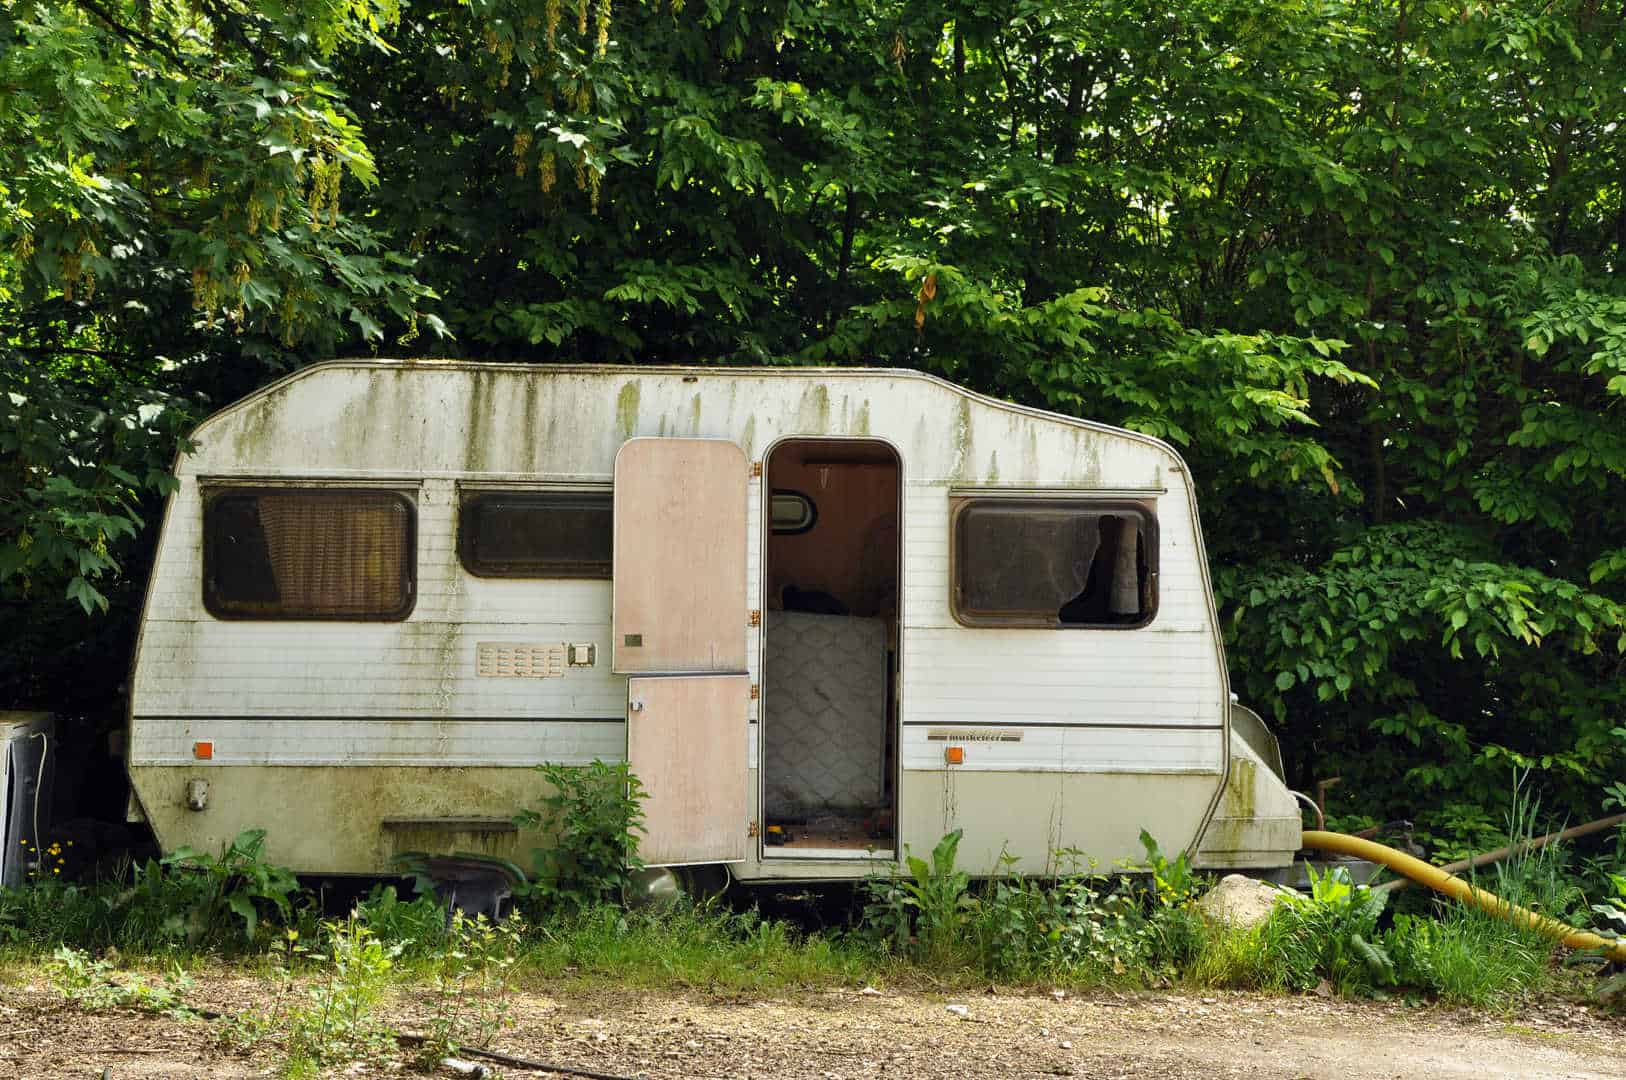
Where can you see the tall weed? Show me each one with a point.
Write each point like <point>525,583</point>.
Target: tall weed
<point>332,1022</point>
<point>923,913</point>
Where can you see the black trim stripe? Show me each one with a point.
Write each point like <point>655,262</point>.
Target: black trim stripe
<point>425,718</point>
<point>1049,724</point>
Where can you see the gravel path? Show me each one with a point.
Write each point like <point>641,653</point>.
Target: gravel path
<point>825,1036</point>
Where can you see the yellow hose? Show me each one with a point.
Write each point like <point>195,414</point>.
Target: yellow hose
<point>1440,881</point>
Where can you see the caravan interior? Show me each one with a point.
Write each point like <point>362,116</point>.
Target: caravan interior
<point>830,632</point>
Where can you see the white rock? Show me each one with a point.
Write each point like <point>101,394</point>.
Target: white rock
<point>1239,901</point>
<point>959,1010</point>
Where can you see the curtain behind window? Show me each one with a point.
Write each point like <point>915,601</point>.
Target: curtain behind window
<point>337,553</point>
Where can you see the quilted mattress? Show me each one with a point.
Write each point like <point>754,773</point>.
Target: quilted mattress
<point>823,713</point>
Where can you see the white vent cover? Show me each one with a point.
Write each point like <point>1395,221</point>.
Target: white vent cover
<point>506,660</point>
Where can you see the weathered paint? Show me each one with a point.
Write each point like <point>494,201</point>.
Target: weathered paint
<point>332,819</point>
<point>1257,824</point>
<point>1029,816</point>
<point>404,696</point>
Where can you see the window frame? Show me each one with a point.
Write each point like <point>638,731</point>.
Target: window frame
<point>210,494</point>
<point>470,497</point>
<point>1145,509</point>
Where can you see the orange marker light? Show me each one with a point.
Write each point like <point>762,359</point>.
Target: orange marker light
<point>203,751</point>
<point>954,755</point>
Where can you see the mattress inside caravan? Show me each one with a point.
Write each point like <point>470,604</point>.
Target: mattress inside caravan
<point>824,703</point>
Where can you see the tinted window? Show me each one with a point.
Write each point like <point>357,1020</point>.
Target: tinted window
<point>542,534</point>
<point>1054,563</point>
<point>320,553</point>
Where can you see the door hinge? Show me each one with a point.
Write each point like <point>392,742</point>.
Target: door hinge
<point>752,830</point>
<point>756,470</point>
<point>756,691</point>
<point>756,618</point>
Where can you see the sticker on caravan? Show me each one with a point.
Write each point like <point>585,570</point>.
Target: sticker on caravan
<point>975,735</point>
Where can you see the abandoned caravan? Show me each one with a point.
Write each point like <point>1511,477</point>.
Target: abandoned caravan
<point>823,614</point>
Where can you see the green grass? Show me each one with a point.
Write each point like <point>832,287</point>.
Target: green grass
<point>696,946</point>
<point>1236,959</point>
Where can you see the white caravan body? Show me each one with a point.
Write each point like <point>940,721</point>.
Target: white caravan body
<point>816,609</point>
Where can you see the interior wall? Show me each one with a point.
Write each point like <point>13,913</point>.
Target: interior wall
<point>852,550</point>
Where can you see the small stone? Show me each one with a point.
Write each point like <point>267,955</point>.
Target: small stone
<point>1059,995</point>
<point>959,1010</point>
<point>869,991</point>
<point>1066,1045</point>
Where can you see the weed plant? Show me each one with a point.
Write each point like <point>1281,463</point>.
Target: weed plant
<point>593,817</point>
<point>420,926</point>
<point>1074,926</point>
<point>332,1022</point>
<point>1329,934</point>
<point>928,922</point>
<point>93,984</point>
<point>187,902</point>
<point>471,995</point>
<point>1465,956</point>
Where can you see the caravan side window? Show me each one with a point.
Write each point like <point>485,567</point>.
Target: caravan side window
<point>536,534</point>
<point>308,553</point>
<point>1053,563</point>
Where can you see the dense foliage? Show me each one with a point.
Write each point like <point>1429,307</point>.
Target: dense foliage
<point>1358,262</point>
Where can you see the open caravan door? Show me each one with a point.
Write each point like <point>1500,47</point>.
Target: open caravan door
<point>678,630</point>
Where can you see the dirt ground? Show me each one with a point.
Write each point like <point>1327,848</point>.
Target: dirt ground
<point>825,1036</point>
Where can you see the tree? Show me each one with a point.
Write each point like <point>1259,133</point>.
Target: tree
<point>1358,262</point>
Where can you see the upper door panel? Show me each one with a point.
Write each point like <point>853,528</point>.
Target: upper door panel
<point>679,563</point>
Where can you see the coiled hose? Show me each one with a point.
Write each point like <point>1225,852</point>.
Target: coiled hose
<point>1442,882</point>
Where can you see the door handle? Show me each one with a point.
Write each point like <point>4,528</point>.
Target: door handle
<point>636,705</point>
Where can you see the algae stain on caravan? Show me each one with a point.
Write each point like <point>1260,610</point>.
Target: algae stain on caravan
<point>814,415</point>
<point>964,440</point>
<point>626,409</point>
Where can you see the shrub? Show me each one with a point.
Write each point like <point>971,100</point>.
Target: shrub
<point>1075,927</point>
<point>594,817</point>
